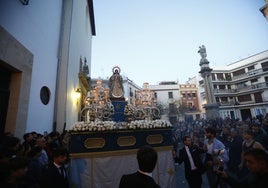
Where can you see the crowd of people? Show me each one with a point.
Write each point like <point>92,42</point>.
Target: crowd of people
<point>223,146</point>
<point>230,152</point>
<point>37,161</point>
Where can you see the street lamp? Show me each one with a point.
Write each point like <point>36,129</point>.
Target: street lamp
<point>264,10</point>
<point>24,2</point>
<point>77,94</point>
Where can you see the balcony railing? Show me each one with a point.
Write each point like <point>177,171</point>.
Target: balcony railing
<point>224,91</point>
<point>262,85</point>
<point>246,88</point>
<point>226,103</point>
<point>250,73</point>
<point>222,80</point>
<point>232,103</point>
<point>241,76</point>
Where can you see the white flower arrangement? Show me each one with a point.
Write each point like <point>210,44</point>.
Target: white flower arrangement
<point>100,126</point>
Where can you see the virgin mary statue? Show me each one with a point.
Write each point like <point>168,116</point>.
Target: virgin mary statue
<point>116,84</point>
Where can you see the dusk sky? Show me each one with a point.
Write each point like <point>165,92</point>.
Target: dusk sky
<point>157,40</point>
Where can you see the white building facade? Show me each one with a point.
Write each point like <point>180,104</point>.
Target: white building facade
<point>241,88</point>
<point>42,44</point>
<point>167,97</point>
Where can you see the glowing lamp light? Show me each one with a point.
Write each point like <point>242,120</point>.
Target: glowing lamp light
<point>77,94</point>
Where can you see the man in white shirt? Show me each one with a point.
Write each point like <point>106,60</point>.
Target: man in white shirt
<point>193,166</point>
<point>216,158</point>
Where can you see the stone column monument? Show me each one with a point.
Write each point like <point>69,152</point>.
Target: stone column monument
<point>212,108</point>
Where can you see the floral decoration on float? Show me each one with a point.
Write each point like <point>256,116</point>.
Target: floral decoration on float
<point>100,126</point>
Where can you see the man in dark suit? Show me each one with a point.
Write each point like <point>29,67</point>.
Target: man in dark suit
<point>190,155</point>
<point>56,174</point>
<point>147,158</point>
<point>257,162</point>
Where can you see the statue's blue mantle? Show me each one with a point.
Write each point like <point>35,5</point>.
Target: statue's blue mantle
<point>119,107</point>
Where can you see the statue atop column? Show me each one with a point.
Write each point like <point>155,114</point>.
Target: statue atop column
<point>116,84</point>
<point>211,107</point>
<point>203,53</point>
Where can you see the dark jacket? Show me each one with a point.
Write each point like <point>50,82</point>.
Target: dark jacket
<point>235,151</point>
<point>53,178</point>
<point>137,179</point>
<point>252,180</point>
<point>196,156</point>
<point>262,138</point>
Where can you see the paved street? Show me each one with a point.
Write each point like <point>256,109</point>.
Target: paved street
<point>180,178</point>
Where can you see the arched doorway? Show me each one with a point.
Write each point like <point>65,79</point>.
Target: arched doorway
<point>5,75</point>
